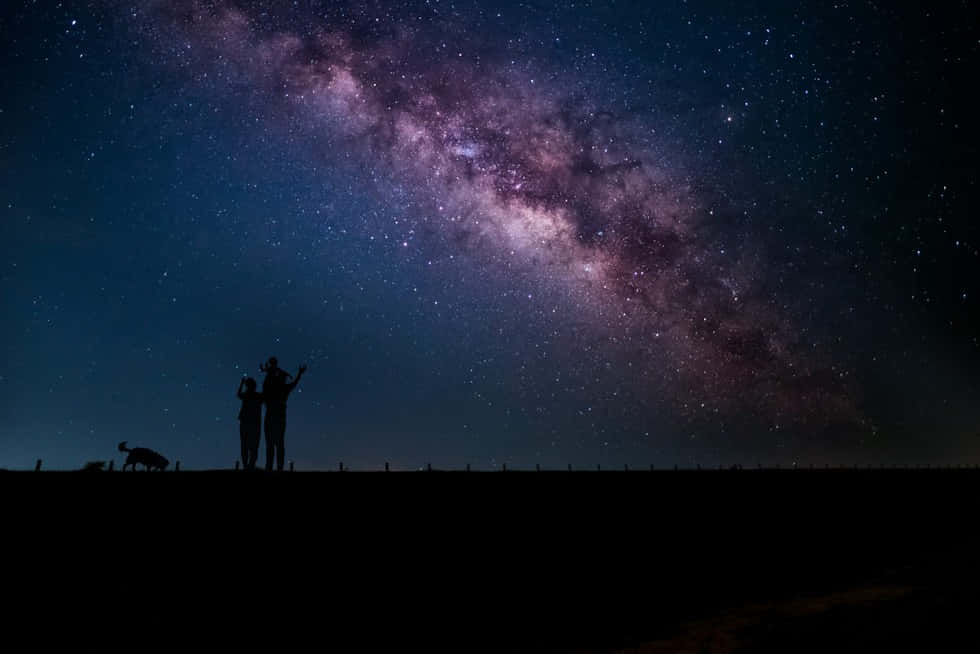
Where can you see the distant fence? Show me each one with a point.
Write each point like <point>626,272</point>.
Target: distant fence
<point>695,467</point>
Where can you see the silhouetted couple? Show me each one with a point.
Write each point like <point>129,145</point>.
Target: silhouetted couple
<point>275,391</point>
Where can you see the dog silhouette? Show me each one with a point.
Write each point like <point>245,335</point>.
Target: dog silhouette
<point>143,456</point>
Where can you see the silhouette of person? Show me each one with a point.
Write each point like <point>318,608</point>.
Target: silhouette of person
<point>273,373</point>
<point>275,391</point>
<point>250,422</point>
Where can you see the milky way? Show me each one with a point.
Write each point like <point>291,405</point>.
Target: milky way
<point>531,171</point>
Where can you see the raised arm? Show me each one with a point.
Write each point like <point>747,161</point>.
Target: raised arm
<point>299,374</point>
<point>241,385</point>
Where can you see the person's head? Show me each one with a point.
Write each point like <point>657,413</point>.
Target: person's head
<point>273,362</point>
<point>250,384</point>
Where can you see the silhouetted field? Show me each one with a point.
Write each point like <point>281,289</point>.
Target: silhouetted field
<point>748,560</point>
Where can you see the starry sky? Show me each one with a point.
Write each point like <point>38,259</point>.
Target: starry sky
<point>600,233</point>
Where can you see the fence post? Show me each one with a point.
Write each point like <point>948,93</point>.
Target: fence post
<point>537,467</point>
<point>340,467</point>
<point>236,464</point>
<point>467,467</point>
<point>290,466</point>
<point>176,466</point>
<point>37,466</point>
<point>428,467</point>
<point>651,467</point>
<point>386,466</point>
<point>112,461</point>
<point>505,467</point>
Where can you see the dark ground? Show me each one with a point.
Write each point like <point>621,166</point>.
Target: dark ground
<point>709,561</point>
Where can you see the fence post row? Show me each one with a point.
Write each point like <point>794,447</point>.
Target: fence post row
<point>239,465</point>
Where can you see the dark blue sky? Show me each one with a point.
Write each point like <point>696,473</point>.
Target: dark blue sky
<point>694,231</point>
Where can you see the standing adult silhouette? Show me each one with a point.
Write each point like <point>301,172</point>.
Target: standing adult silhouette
<point>249,421</point>
<point>275,392</point>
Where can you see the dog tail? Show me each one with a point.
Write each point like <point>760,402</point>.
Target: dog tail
<point>123,448</point>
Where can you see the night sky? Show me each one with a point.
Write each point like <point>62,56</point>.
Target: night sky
<point>603,233</point>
